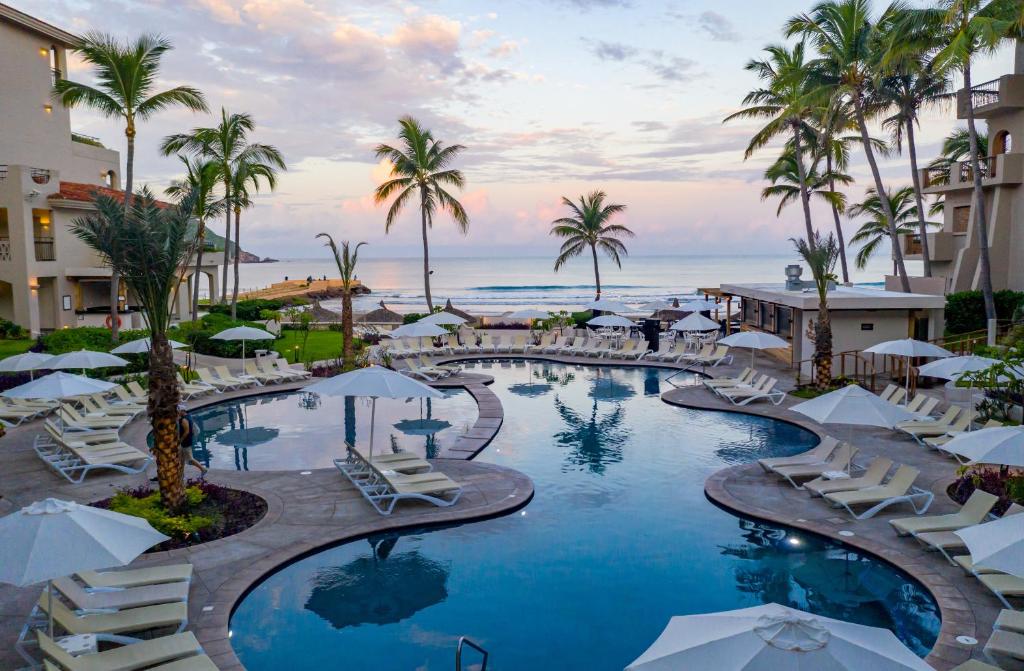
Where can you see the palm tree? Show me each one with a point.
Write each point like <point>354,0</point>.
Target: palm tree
<point>875,231</point>
<point>821,255</point>
<point>200,179</point>
<point>787,99</point>
<point>589,227</point>
<point>844,35</point>
<point>346,259</point>
<point>421,163</point>
<point>785,183</point>
<point>245,175</point>
<point>226,144</point>
<point>152,247</point>
<point>126,74</point>
<point>967,28</point>
<point>955,147</point>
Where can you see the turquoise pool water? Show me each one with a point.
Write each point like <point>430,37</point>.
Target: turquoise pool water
<point>618,538</point>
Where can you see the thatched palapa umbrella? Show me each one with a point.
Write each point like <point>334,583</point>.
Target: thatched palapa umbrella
<point>382,315</point>
<point>322,314</point>
<point>455,311</point>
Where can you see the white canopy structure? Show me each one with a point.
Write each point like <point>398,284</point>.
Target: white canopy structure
<point>613,321</point>
<point>607,305</point>
<point>529,313</point>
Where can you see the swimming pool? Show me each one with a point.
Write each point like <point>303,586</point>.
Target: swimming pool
<point>295,430</point>
<point>618,538</point>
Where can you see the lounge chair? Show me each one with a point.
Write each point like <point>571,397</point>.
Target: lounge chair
<point>73,458</point>
<point>441,369</point>
<point>383,490</point>
<point>974,511</point>
<point>919,433</point>
<point>487,344</point>
<point>1010,620</point>
<point>555,347</point>
<point>545,341</point>
<point>117,404</point>
<point>282,366</point>
<point>116,622</point>
<point>239,380</point>
<point>579,343</point>
<point>631,349</point>
<point>262,376</point>
<point>452,344</point>
<point>872,476</point>
<point>126,396</point>
<point>193,389</point>
<point>821,452</point>
<point>176,648</point>
<point>1004,586</point>
<point>597,349</point>
<point>137,391</point>
<point>744,378</point>
<point>948,541</point>
<point>939,442</point>
<point>412,369</point>
<point>839,462</point>
<point>922,406</point>
<point>887,393</point>
<point>518,345</point>
<point>207,376</point>
<point>755,381</point>
<point>705,352</point>
<point>137,577</point>
<point>89,598</point>
<point>1006,648</point>
<point>402,462</point>
<point>975,665</point>
<point>95,409</point>
<point>899,489</point>
<point>897,396</point>
<point>16,416</point>
<point>72,420</point>
<point>766,390</point>
<point>945,420</point>
<point>669,354</point>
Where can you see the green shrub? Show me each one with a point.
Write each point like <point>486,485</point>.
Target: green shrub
<point>95,338</point>
<point>248,310</point>
<point>410,317</point>
<point>199,334</point>
<point>150,509</point>
<point>580,319</point>
<point>965,310</point>
<point>10,330</point>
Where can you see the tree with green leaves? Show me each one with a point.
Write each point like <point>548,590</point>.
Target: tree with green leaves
<point>875,230</point>
<point>785,183</point>
<point>589,227</point>
<point>346,257</point>
<point>821,255</point>
<point>152,247</point>
<point>831,145</point>
<point>955,148</point>
<point>788,99</point>
<point>227,145</point>
<point>421,166</point>
<point>201,180</point>
<point>126,79</point>
<point>246,177</point>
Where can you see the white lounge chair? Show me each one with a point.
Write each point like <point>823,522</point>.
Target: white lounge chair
<point>73,457</point>
<point>872,475</point>
<point>820,452</point>
<point>384,491</point>
<point>974,511</point>
<point>765,390</point>
<point>899,489</point>
<point>545,341</point>
<point>838,462</point>
<point>554,348</point>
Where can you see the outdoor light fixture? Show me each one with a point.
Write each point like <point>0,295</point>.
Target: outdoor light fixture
<point>44,52</point>
<point>48,108</point>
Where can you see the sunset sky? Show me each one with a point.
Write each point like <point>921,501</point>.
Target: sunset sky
<point>551,98</point>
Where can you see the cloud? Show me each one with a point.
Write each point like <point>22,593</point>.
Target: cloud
<point>666,67</point>
<point>506,48</point>
<point>718,27</point>
<point>613,51</point>
<point>649,126</point>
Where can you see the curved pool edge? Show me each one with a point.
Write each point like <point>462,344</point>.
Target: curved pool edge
<point>957,609</point>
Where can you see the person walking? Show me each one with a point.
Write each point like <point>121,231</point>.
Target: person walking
<point>186,437</point>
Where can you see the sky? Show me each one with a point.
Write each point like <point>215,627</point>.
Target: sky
<point>550,98</point>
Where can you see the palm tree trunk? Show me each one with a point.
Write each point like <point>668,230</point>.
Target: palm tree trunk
<point>163,412</point>
<point>234,291</point>
<point>805,197</point>
<point>346,328</point>
<point>115,276</point>
<point>201,234</point>
<point>919,199</point>
<point>839,227</point>
<point>227,242</point>
<point>426,250</point>
<point>880,189</point>
<point>823,347</point>
<point>597,273</point>
<point>981,220</point>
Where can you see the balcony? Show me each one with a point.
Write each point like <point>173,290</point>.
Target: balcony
<point>40,175</point>
<point>912,244</point>
<point>45,249</point>
<point>992,98</point>
<point>996,170</point>
<point>942,246</point>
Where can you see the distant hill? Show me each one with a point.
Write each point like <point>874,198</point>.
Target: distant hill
<point>215,243</point>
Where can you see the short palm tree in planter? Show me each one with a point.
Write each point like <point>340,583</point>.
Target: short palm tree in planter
<point>346,259</point>
<point>820,254</point>
<point>152,246</point>
<point>590,227</point>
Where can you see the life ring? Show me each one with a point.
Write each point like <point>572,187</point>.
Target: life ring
<point>108,322</point>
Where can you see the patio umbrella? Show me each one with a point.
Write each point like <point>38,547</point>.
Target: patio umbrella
<point>754,340</point>
<point>997,545</point>
<point>375,382</point>
<point>53,538</point>
<point>695,322</point>
<point>418,330</point>
<point>853,405</point>
<point>142,346</point>
<point>422,427</point>
<point>951,368</point>
<point>29,361</point>
<point>701,305</point>
<point>529,313</point>
<point>244,333</point>
<point>613,321</point>
<point>607,305</point>
<point>1000,445</point>
<point>909,348</point>
<point>442,319</point>
<point>382,315</point>
<point>774,638</point>
<point>83,359</point>
<point>654,306</point>
<point>59,385</point>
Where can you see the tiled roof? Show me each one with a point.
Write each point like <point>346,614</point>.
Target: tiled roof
<point>87,192</point>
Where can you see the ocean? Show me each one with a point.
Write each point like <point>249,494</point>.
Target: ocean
<point>491,286</point>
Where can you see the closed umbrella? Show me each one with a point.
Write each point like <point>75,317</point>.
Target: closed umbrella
<point>142,346</point>
<point>244,333</point>
<point>695,322</point>
<point>1000,445</point>
<point>774,638</point>
<point>909,348</point>
<point>754,340</point>
<point>997,545</point>
<point>607,305</point>
<point>442,319</point>
<point>53,538</point>
<point>83,359</point>
<point>29,361</point>
<point>374,382</point>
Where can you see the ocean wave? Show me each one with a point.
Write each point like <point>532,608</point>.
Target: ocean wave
<point>549,287</point>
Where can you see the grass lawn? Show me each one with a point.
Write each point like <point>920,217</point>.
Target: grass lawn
<point>321,345</point>
<point>12,347</point>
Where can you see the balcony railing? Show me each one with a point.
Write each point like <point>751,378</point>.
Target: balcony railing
<point>986,93</point>
<point>45,250</point>
<point>3,172</point>
<point>912,244</point>
<point>987,165</point>
<point>55,75</point>
<point>5,249</point>
<point>40,175</point>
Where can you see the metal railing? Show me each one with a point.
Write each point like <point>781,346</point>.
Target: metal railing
<point>852,365</point>
<point>463,641</point>
<point>40,175</point>
<point>55,75</point>
<point>986,93</point>
<point>5,249</point>
<point>987,165</point>
<point>45,249</point>
<point>3,172</point>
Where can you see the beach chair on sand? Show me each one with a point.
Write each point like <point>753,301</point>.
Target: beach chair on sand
<point>974,511</point>
<point>821,452</point>
<point>177,652</point>
<point>899,489</point>
<point>873,475</point>
<point>838,462</point>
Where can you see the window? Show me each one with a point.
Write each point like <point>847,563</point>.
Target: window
<point>55,73</point>
<point>1003,143</point>
<point>749,311</point>
<point>783,320</point>
<point>961,218</point>
<point>109,179</point>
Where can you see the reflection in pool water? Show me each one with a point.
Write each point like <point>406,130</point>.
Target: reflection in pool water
<point>297,430</point>
<point>619,538</point>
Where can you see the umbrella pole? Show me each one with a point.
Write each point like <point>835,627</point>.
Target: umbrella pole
<point>49,604</point>
<point>906,399</point>
<point>373,415</point>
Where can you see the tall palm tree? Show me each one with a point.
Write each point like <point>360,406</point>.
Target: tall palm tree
<point>420,164</point>
<point>955,148</point>
<point>845,37</point>
<point>226,144</point>
<point>787,100</point>
<point>821,255</point>
<point>588,227</point>
<point>875,231</point>
<point>785,183</point>
<point>346,258</point>
<point>200,179</point>
<point>126,76</point>
<point>965,29</point>
<point>152,247</point>
<point>245,176</point>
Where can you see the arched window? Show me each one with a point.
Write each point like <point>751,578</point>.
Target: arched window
<point>1003,143</point>
<point>110,179</point>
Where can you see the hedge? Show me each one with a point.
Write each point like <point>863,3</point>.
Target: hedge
<point>248,310</point>
<point>965,310</point>
<point>95,338</point>
<point>199,335</point>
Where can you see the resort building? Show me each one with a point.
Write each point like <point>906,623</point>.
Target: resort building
<point>49,279</point>
<point>954,249</point>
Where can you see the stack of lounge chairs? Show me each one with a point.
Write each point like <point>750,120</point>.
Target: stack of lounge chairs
<point>73,454</point>
<point>386,479</point>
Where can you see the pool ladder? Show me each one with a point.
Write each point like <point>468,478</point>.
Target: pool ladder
<point>464,641</point>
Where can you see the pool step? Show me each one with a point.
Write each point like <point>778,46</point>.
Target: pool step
<point>464,641</point>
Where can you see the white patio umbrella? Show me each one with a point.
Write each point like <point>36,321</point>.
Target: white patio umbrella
<point>1000,445</point>
<point>853,405</point>
<point>909,348</point>
<point>654,306</point>
<point>774,638</point>
<point>700,305</point>
<point>28,361</point>
<point>951,368</point>
<point>997,545</point>
<point>529,313</point>
<point>142,346</point>
<point>754,340</point>
<point>418,330</point>
<point>613,321</point>
<point>607,305</point>
<point>244,333</point>
<point>695,322</point>
<point>442,319</point>
<point>53,538</point>
<point>374,382</point>
<point>59,385</point>
<point>83,359</point>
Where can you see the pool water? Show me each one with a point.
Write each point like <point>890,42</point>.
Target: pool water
<point>618,538</point>
<point>293,430</point>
